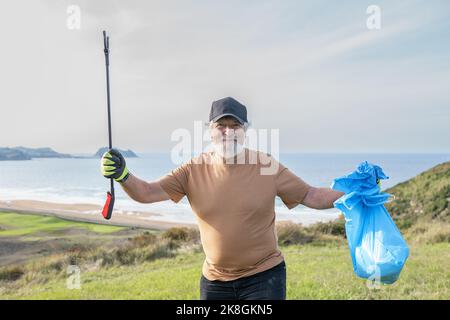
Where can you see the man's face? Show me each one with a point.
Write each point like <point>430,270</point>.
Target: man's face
<point>226,129</point>
<point>227,136</point>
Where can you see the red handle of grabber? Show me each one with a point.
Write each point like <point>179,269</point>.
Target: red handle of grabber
<point>109,206</point>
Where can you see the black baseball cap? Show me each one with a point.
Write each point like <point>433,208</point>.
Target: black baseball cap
<point>228,107</point>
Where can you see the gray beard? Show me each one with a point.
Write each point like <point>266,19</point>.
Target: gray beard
<point>227,149</point>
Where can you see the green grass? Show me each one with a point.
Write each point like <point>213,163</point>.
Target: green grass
<point>14,224</point>
<point>313,272</point>
<point>155,265</point>
<point>327,273</point>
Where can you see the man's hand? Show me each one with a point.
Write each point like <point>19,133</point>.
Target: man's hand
<point>113,165</point>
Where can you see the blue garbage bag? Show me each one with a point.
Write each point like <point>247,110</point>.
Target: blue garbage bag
<point>377,247</point>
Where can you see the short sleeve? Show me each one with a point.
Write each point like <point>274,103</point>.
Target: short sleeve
<point>175,183</point>
<point>291,189</point>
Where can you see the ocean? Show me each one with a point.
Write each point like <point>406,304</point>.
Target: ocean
<point>80,180</point>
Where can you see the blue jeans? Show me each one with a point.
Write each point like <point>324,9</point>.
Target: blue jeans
<point>266,285</point>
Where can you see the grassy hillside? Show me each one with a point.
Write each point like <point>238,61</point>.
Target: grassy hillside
<point>313,272</point>
<point>426,197</point>
<point>421,207</point>
<point>167,265</point>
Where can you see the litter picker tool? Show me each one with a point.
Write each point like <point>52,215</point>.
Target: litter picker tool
<point>109,204</point>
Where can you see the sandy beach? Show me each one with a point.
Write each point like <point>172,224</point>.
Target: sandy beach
<point>88,213</point>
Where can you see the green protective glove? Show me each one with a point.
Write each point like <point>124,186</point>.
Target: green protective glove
<point>113,165</point>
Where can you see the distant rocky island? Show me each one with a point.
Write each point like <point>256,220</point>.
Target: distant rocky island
<point>13,154</point>
<point>22,153</point>
<point>126,153</point>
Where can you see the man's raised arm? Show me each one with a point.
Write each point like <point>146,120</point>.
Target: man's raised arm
<point>113,165</point>
<point>144,192</point>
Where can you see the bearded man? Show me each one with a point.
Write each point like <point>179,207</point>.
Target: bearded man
<point>232,191</point>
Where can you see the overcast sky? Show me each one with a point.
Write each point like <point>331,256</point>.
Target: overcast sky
<point>311,69</point>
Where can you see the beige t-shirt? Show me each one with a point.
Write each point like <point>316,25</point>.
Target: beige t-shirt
<point>235,208</point>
